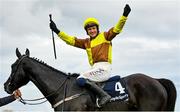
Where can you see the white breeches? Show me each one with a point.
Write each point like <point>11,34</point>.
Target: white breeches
<point>98,73</point>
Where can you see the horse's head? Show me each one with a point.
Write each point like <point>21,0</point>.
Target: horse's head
<point>18,76</point>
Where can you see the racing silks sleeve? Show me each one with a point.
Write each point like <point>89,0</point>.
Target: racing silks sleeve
<point>109,35</point>
<point>119,26</point>
<point>67,38</point>
<point>73,41</point>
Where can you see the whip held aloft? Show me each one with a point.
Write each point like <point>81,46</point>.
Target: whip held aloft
<point>53,38</point>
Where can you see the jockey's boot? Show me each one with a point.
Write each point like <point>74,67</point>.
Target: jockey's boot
<point>103,96</point>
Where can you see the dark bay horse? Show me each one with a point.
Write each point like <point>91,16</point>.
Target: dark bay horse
<point>61,90</point>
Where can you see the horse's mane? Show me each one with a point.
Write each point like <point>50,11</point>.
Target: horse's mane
<point>45,64</point>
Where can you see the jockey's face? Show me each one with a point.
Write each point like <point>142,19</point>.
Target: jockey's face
<point>92,31</point>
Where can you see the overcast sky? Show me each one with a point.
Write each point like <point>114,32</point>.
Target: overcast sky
<point>149,43</point>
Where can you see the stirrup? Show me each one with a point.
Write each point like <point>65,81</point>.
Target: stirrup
<point>97,103</point>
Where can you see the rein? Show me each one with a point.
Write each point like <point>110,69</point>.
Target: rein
<point>37,99</point>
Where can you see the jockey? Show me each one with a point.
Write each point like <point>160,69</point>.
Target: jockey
<point>99,51</point>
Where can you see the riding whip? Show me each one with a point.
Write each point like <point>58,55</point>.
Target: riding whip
<point>50,16</point>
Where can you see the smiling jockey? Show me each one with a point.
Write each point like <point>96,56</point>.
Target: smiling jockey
<point>99,51</point>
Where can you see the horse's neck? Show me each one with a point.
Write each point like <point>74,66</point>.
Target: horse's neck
<point>46,79</point>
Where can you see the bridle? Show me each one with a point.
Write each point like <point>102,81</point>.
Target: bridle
<point>25,101</point>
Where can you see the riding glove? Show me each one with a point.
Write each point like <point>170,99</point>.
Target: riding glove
<point>53,27</point>
<point>127,10</point>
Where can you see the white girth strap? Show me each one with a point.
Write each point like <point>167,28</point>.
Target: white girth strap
<point>66,99</point>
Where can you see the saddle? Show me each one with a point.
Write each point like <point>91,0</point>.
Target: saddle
<point>116,88</point>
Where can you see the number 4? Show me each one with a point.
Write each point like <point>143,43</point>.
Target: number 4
<point>119,88</point>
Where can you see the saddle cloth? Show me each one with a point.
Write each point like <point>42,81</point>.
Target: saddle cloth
<point>116,88</point>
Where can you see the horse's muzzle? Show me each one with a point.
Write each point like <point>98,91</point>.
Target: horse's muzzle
<point>7,88</point>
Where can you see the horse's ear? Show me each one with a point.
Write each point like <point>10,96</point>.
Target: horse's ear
<point>27,52</point>
<point>18,54</point>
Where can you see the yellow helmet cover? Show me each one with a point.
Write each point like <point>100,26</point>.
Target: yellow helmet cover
<point>91,20</point>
